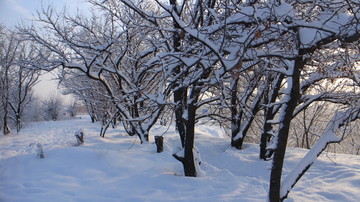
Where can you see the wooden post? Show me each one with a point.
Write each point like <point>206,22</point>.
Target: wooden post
<point>159,141</point>
<point>80,137</point>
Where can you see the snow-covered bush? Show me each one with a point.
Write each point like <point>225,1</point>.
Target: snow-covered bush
<point>39,150</point>
<point>52,107</point>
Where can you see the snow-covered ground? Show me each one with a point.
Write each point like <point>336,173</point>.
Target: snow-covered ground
<point>117,168</point>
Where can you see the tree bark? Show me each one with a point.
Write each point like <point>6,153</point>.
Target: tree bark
<point>180,93</point>
<point>180,99</point>
<point>237,143</point>
<point>287,110</point>
<point>270,97</point>
<point>188,159</point>
<point>6,129</point>
<point>235,116</point>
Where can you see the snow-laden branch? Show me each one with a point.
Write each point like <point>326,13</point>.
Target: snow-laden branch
<point>340,119</point>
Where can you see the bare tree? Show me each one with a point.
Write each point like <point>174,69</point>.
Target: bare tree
<point>107,49</point>
<point>245,103</point>
<point>293,63</point>
<point>16,77</point>
<point>52,107</point>
<point>283,48</point>
<point>8,51</point>
<point>204,47</point>
<point>24,80</point>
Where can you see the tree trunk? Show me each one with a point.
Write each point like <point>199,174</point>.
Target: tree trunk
<point>235,116</point>
<point>249,118</point>
<point>180,99</point>
<point>6,129</point>
<point>18,123</point>
<point>237,143</point>
<point>270,97</point>
<point>188,159</point>
<point>180,93</point>
<point>242,119</point>
<point>287,114</point>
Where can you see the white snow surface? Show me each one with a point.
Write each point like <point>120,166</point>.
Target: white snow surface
<point>115,169</point>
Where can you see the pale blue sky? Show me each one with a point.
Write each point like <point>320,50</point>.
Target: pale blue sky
<point>13,11</point>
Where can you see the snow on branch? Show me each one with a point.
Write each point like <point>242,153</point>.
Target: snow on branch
<point>340,118</point>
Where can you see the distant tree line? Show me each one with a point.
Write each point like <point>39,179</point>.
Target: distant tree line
<point>274,72</point>
<point>18,76</point>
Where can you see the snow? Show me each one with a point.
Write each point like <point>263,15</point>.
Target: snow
<point>118,168</point>
<point>328,136</point>
<point>308,36</point>
<point>284,10</point>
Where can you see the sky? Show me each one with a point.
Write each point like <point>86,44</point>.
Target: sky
<point>12,12</point>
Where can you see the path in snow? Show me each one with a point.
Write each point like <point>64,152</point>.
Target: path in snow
<point>50,134</point>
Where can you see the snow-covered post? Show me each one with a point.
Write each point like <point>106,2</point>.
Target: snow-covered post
<point>339,119</point>
<point>80,137</point>
<point>39,150</point>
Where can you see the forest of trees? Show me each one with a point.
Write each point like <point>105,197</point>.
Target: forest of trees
<point>279,72</point>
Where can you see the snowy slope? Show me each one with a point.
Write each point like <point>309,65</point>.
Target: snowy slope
<point>116,169</point>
